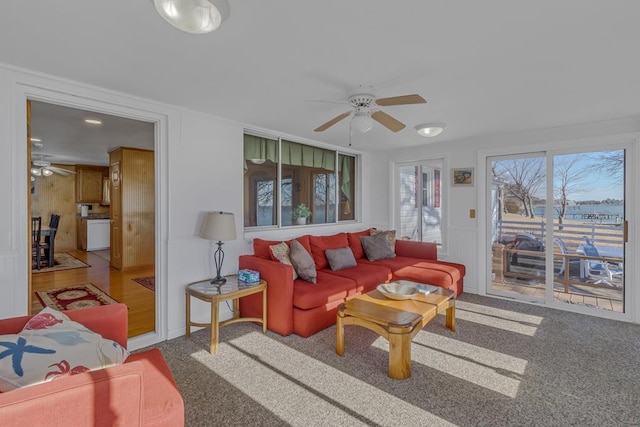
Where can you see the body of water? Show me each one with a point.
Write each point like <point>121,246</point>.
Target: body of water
<point>587,213</point>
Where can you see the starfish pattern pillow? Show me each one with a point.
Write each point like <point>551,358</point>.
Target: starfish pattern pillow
<point>52,346</point>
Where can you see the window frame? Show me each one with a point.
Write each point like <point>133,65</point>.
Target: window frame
<point>279,181</point>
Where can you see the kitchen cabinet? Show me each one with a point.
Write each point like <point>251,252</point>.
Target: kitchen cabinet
<point>89,183</point>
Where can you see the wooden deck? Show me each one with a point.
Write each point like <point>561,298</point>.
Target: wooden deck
<point>568,286</point>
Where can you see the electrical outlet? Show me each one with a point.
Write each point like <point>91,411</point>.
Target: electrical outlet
<point>472,213</point>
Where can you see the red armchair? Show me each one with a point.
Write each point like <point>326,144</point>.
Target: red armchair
<point>140,392</point>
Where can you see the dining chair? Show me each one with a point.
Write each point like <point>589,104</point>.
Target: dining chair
<point>36,230</point>
<point>50,238</point>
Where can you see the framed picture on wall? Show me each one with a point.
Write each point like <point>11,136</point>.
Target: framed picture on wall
<point>462,177</point>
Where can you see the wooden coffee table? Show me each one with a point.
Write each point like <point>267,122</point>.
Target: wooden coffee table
<point>397,321</point>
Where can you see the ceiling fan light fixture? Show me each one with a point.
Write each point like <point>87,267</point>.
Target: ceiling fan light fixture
<point>362,122</point>
<point>36,172</point>
<point>429,130</point>
<point>193,16</point>
<point>46,172</point>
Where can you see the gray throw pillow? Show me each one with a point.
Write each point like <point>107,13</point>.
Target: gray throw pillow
<point>340,258</point>
<point>302,262</point>
<point>376,247</point>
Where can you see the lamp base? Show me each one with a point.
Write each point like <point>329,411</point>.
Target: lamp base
<point>218,281</point>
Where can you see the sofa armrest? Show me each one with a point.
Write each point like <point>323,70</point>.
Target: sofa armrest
<point>413,249</point>
<point>110,321</point>
<point>105,397</point>
<point>279,278</point>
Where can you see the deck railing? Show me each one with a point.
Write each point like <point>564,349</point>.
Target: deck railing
<point>571,233</point>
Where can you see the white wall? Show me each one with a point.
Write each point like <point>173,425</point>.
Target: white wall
<point>465,236</point>
<point>198,169</point>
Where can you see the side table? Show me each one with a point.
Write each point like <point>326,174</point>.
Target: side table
<point>214,294</point>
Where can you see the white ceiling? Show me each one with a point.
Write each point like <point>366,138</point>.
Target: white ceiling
<point>485,67</point>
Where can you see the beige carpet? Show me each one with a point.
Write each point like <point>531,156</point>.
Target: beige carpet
<point>508,364</point>
<point>62,261</point>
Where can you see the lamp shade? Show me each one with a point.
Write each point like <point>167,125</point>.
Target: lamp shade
<point>361,122</point>
<point>220,226</point>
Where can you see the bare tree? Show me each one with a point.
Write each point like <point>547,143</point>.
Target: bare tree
<point>611,162</point>
<point>569,174</point>
<point>524,177</point>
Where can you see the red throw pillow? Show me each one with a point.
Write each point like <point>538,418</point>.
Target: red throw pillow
<point>355,244</point>
<point>319,244</point>
<point>261,247</point>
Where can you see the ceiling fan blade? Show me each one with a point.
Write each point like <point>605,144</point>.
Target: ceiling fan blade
<point>60,171</point>
<point>401,100</point>
<point>387,121</point>
<point>332,122</point>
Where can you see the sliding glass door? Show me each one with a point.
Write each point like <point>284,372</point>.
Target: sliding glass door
<point>557,228</point>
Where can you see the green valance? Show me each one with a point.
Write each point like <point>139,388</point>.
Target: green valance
<point>257,149</point>
<point>296,154</point>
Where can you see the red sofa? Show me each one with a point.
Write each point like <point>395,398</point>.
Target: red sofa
<point>303,308</point>
<point>140,392</point>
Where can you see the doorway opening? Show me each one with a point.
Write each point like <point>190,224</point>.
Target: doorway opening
<point>83,198</point>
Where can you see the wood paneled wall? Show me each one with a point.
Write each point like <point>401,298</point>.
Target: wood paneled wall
<point>56,194</point>
<point>137,192</point>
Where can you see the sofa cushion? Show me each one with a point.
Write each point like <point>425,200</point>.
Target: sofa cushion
<point>367,275</point>
<point>355,244</point>
<point>261,247</point>
<point>377,247</point>
<point>281,253</point>
<point>424,271</point>
<point>340,258</point>
<point>51,345</point>
<point>389,234</point>
<point>319,244</point>
<point>328,288</point>
<point>302,262</point>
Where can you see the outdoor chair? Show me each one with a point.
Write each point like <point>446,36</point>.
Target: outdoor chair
<point>566,261</point>
<point>594,268</point>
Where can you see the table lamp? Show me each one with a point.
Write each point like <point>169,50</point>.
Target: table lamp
<point>218,226</point>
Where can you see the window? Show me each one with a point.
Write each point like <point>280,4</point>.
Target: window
<point>311,192</point>
<point>419,206</point>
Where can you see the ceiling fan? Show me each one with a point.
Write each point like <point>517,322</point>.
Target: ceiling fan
<point>41,167</point>
<point>365,110</point>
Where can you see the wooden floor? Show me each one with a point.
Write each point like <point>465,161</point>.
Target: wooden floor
<point>118,284</point>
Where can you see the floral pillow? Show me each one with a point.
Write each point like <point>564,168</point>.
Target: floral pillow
<point>389,234</point>
<point>281,253</point>
<point>52,346</point>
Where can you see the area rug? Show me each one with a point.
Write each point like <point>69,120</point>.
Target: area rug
<point>73,297</point>
<point>147,282</point>
<point>62,261</point>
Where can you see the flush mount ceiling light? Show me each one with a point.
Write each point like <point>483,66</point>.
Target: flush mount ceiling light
<point>429,130</point>
<point>193,16</point>
<point>93,121</point>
